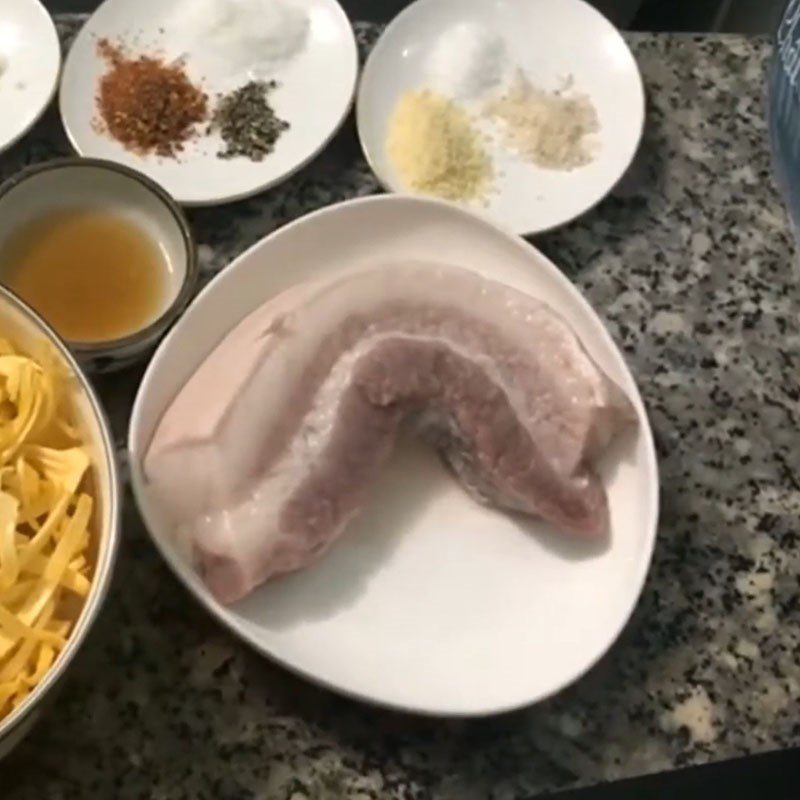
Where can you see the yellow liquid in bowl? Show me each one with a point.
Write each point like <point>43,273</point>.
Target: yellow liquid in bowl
<point>93,275</point>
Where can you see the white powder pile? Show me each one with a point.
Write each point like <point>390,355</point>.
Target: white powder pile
<point>467,62</point>
<point>554,130</point>
<point>252,38</point>
<point>470,65</point>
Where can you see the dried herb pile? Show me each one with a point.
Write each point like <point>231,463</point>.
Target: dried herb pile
<point>247,122</point>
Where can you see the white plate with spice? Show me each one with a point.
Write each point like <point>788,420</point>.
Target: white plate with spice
<point>30,60</point>
<point>507,65</point>
<point>218,47</point>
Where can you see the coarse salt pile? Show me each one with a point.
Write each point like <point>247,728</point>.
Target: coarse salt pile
<point>248,38</point>
<point>467,62</point>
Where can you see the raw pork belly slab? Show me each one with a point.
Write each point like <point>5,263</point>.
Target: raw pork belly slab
<point>268,450</point>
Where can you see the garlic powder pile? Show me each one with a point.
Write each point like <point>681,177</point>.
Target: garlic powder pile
<point>436,149</point>
<point>551,129</point>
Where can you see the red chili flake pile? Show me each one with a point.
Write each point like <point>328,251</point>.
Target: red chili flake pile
<point>146,103</point>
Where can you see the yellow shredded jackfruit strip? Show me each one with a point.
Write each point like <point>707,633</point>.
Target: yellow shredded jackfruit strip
<point>44,520</point>
<point>69,544</point>
<point>11,625</point>
<point>45,533</point>
<point>70,578</point>
<point>21,589</point>
<point>64,467</point>
<point>56,566</point>
<point>46,657</point>
<point>23,656</point>
<point>9,562</point>
<point>8,690</point>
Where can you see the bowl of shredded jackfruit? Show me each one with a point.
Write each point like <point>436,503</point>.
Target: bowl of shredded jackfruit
<point>59,513</point>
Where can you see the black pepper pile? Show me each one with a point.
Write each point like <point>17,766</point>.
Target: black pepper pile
<point>247,122</point>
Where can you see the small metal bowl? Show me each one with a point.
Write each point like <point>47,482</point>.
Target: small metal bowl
<point>94,183</point>
<point>29,331</point>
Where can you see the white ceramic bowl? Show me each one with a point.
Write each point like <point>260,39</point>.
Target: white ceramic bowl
<point>430,602</point>
<point>315,94</point>
<point>32,334</point>
<point>550,40</point>
<point>91,183</point>
<point>30,61</point>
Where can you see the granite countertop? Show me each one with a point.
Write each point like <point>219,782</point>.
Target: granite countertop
<point>692,264</point>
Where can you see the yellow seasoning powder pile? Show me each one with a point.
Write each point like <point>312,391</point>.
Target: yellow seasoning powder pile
<point>435,148</point>
<point>551,129</point>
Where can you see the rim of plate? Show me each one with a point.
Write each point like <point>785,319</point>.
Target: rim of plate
<point>386,184</point>
<point>104,569</point>
<point>55,42</point>
<point>140,491</point>
<point>262,187</point>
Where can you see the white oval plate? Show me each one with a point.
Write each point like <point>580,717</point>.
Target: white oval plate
<point>550,40</point>
<point>429,603</point>
<point>315,93</point>
<point>30,60</point>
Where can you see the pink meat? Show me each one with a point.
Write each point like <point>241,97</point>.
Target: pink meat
<point>266,453</point>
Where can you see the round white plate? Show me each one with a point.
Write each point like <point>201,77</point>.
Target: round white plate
<point>315,93</point>
<point>430,602</point>
<point>30,60</point>
<point>550,40</point>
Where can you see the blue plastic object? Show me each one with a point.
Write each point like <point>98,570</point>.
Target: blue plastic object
<point>784,109</point>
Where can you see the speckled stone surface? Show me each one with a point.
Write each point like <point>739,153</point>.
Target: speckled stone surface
<point>692,264</point>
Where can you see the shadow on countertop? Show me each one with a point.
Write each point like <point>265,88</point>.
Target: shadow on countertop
<point>620,11</point>
<point>632,14</point>
<point>774,775</point>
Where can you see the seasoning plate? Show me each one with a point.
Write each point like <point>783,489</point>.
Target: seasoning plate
<point>30,60</point>
<point>551,40</point>
<point>315,93</point>
<point>429,602</point>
